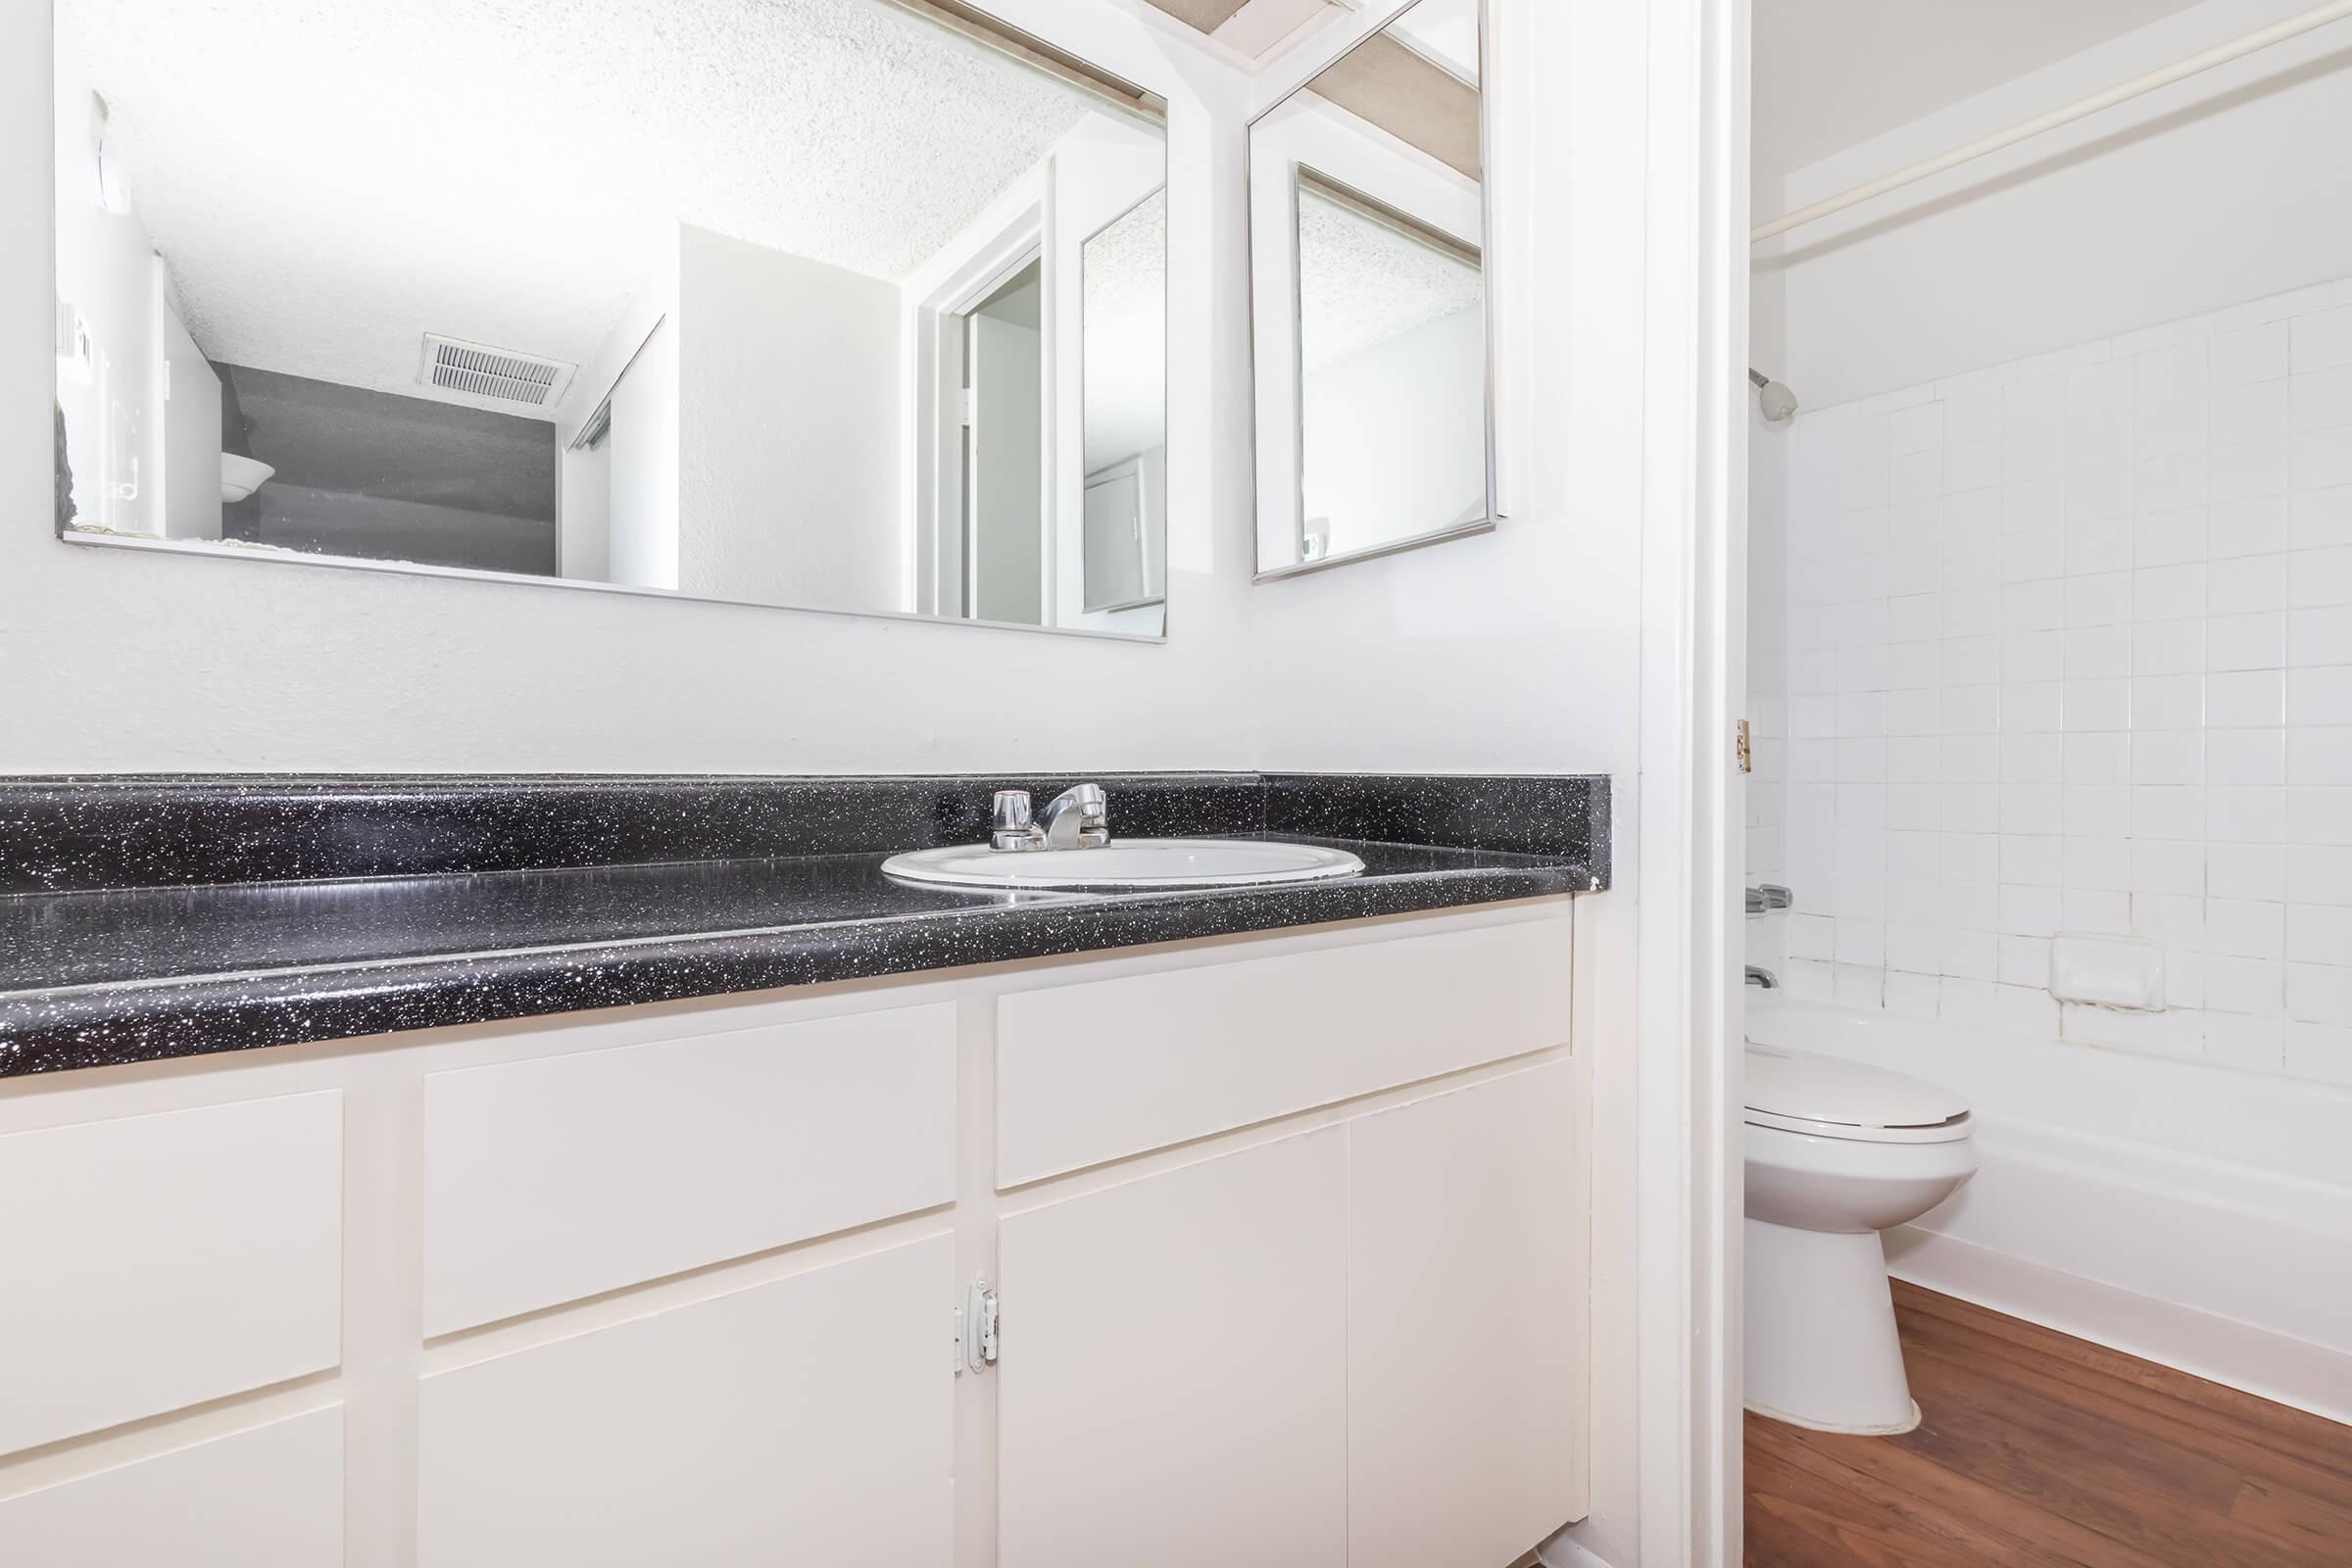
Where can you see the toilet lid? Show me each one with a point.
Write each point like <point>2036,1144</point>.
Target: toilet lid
<point>1824,1089</point>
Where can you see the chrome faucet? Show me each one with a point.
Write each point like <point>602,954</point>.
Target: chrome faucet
<point>1079,818</point>
<point>1762,978</point>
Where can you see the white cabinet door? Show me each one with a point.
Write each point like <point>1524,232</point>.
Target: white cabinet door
<point>1465,1325</point>
<point>807,1420</point>
<point>1174,1367</point>
<point>267,1497</point>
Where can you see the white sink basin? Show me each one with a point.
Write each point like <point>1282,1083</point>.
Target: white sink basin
<point>1126,863</point>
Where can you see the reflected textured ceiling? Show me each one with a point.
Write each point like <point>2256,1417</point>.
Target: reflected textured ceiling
<point>1362,283</point>
<point>328,183</point>
<point>1126,337</point>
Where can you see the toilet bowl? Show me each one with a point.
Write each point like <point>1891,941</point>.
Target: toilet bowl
<point>1837,1152</point>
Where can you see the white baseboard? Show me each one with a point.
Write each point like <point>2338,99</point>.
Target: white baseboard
<point>2292,1372</point>
<point>2232,1275</point>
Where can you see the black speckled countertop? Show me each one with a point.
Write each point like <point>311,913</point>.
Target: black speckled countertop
<point>151,917</point>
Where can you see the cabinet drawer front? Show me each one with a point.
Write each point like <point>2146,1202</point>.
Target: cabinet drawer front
<point>159,1261</point>
<point>807,1420</point>
<point>271,1495</point>
<point>1094,1073</point>
<point>561,1177</point>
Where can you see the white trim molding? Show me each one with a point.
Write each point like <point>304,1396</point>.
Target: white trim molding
<point>1694,638</point>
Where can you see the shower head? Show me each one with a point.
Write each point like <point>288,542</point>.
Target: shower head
<point>1776,400</point>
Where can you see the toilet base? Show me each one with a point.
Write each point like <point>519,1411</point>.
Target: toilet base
<point>1821,1346</point>
<point>1910,1423</point>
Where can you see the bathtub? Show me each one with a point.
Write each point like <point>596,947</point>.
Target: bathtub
<point>2194,1215</point>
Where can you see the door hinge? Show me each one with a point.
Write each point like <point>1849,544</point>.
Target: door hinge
<point>976,1328</point>
<point>1746,756</point>
<point>971,407</point>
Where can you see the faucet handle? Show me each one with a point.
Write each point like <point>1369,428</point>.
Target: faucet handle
<point>1011,822</point>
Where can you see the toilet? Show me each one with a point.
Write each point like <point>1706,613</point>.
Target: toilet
<point>1837,1152</point>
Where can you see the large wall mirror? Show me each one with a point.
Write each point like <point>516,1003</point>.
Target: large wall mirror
<point>844,305</point>
<point>1368,301</point>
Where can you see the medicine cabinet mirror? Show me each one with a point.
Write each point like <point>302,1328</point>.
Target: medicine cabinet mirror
<point>1370,299</point>
<point>841,304</point>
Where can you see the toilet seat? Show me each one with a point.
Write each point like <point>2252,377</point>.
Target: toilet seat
<point>1825,1097</point>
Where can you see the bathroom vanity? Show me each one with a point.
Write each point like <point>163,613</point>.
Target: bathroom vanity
<point>622,1171</point>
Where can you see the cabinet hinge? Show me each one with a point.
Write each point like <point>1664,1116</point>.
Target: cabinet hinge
<point>976,1328</point>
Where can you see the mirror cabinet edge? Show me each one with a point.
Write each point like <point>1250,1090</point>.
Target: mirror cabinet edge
<point>1498,511</point>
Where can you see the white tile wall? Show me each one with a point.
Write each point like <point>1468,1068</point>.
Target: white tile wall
<point>2068,649</point>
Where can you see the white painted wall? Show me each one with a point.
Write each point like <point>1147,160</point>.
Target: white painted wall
<point>645,498</point>
<point>1521,650</point>
<point>1308,131</point>
<point>190,476</point>
<point>1393,441</point>
<point>1008,523</point>
<point>2227,187</point>
<point>1100,171</point>
<point>584,514</point>
<point>289,671</point>
<point>788,465</point>
<point>1131,501</point>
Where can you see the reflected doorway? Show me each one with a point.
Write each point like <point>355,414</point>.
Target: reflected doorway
<point>1004,452</point>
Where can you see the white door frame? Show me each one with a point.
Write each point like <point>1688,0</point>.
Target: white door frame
<point>999,244</point>
<point>1693,656</point>
<point>1689,840</point>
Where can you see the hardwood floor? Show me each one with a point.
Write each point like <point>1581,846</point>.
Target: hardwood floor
<point>2039,1449</point>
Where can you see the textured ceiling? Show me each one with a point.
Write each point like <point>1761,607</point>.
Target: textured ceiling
<point>327,182</point>
<point>1126,288</point>
<point>1362,283</point>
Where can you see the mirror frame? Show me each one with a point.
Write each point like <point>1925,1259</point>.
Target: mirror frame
<point>1496,515</point>
<point>958,17</point>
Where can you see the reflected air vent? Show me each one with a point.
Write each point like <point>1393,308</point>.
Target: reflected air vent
<point>502,377</point>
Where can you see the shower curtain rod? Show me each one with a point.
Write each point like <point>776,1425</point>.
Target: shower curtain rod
<point>2221,54</point>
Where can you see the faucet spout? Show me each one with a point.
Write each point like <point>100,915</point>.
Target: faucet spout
<point>1079,818</point>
